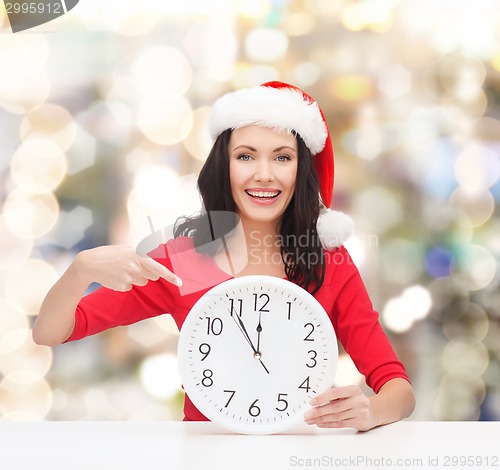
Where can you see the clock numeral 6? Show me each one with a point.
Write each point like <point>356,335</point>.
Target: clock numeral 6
<point>214,326</point>
<point>207,378</point>
<point>254,410</point>
<point>283,401</point>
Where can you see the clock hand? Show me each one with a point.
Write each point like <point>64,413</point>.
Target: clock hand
<point>243,329</point>
<point>259,331</point>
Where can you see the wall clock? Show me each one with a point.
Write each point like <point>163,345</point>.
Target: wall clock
<point>253,351</point>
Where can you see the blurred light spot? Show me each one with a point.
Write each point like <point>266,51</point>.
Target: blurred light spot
<point>27,284</point>
<point>298,23</point>
<point>165,118</point>
<point>150,205</point>
<point>155,186</point>
<point>371,14</point>
<point>212,46</point>
<point>109,121</point>
<point>147,334</point>
<point>50,120</point>
<point>462,76</point>
<point>71,226</point>
<point>463,113</point>
<point>20,354</point>
<point>370,203</point>
<point>445,292</point>
<point>132,18</point>
<point>459,398</point>
<point>438,262</point>
<point>82,154</point>
<point>254,8</point>
<point>465,356</point>
<point>30,215</point>
<point>477,204</point>
<point>13,318</point>
<point>13,249</point>
<point>353,88</point>
<point>266,45</point>
<point>357,247</point>
<point>26,94</point>
<point>24,52</point>
<point>449,228</point>
<point>402,260</point>
<point>465,320</point>
<point>305,74</point>
<point>162,68</point>
<point>477,168</point>
<point>394,81</point>
<point>347,373</point>
<point>474,267</point>
<point>167,324</point>
<point>38,166</point>
<point>159,375</point>
<point>400,313</point>
<point>252,75</point>
<point>198,143</point>
<point>25,396</point>
<point>495,61</point>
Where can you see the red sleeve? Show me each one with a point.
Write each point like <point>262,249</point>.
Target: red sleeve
<point>105,308</point>
<point>356,323</point>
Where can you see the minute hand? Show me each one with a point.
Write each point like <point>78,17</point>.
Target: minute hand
<point>243,329</point>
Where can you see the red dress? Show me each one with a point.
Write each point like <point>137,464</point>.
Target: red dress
<point>343,296</point>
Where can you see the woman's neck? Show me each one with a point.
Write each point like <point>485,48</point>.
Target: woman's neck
<point>253,248</point>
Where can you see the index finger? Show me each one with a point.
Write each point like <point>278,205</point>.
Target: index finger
<point>155,267</point>
<point>329,395</point>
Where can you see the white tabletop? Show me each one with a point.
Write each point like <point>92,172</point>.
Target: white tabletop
<point>177,445</point>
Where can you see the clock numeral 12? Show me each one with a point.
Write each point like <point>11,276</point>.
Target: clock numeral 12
<point>262,308</point>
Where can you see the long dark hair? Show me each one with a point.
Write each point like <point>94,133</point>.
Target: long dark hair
<point>300,247</point>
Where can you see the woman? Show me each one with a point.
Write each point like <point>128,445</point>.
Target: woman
<point>271,162</point>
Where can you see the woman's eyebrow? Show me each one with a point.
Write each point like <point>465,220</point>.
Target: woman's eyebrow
<point>245,146</point>
<point>277,149</point>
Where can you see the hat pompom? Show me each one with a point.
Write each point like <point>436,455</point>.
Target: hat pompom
<point>334,228</point>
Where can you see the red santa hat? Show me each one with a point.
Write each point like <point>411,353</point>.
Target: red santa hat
<point>284,107</point>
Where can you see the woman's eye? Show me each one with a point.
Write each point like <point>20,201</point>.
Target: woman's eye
<point>244,157</point>
<point>283,158</point>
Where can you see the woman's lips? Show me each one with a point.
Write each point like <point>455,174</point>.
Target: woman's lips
<point>264,197</point>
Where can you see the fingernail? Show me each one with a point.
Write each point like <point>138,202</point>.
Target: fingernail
<point>313,401</point>
<point>178,281</point>
<point>308,416</point>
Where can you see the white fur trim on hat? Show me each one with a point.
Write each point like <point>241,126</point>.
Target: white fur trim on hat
<point>283,109</point>
<point>334,228</point>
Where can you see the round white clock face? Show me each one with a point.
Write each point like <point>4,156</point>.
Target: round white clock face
<point>253,351</point>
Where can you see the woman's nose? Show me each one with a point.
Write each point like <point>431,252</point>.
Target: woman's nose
<point>264,172</point>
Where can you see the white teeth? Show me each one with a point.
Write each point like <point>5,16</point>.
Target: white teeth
<point>263,194</point>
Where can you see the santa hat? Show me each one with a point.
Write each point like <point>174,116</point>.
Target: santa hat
<point>284,107</point>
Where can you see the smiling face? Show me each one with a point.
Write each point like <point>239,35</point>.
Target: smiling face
<point>263,171</point>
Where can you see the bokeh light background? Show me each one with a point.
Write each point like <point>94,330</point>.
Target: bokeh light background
<point>103,112</point>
